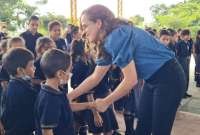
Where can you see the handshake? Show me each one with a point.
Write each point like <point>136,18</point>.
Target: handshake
<point>99,105</point>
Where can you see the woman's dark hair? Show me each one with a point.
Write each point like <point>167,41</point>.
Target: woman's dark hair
<point>54,60</point>
<point>109,22</point>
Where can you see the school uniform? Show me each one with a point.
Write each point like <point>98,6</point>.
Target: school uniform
<point>52,111</point>
<point>115,76</point>
<point>18,116</point>
<point>155,64</point>
<point>108,117</point>
<point>68,40</point>
<point>80,72</point>
<point>183,53</point>
<point>30,40</point>
<point>172,46</point>
<point>4,76</point>
<point>60,44</point>
<point>39,75</point>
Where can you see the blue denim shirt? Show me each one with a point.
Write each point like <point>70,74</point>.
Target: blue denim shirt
<point>127,43</point>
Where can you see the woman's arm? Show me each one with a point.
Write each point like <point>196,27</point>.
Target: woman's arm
<point>89,83</point>
<point>127,84</point>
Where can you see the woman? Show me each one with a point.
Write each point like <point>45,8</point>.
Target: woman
<point>141,56</point>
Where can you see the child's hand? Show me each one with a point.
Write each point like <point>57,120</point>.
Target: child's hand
<point>98,120</point>
<point>101,105</point>
<point>91,105</point>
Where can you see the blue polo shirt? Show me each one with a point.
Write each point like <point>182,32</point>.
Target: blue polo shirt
<point>52,111</point>
<point>127,43</point>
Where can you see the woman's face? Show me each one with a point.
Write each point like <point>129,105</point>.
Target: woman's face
<point>90,28</point>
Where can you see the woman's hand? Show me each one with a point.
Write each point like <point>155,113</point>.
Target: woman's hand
<point>101,105</point>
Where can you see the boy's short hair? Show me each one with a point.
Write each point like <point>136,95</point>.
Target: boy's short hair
<point>14,40</point>
<point>41,42</point>
<point>53,23</point>
<point>185,32</point>
<point>33,18</point>
<point>164,32</point>
<point>16,58</point>
<point>54,60</point>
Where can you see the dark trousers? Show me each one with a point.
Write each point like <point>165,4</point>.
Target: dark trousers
<point>184,61</point>
<point>160,99</point>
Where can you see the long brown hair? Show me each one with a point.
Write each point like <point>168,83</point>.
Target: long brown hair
<point>109,23</point>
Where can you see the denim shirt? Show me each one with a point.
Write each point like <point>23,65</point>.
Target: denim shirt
<point>127,43</point>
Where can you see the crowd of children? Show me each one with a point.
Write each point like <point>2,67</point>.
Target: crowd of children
<point>34,75</point>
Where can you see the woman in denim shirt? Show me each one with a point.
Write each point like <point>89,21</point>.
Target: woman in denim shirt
<point>140,56</point>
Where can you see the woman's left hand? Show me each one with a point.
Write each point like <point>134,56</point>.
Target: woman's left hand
<point>101,105</point>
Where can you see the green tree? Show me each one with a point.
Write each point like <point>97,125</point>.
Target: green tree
<point>45,19</point>
<point>137,20</point>
<point>15,13</point>
<point>182,15</point>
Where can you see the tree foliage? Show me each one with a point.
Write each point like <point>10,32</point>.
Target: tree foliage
<point>182,15</point>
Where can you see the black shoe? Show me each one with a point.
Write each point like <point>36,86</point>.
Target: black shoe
<point>197,85</point>
<point>187,95</point>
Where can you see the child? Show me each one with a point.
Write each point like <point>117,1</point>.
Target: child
<point>131,107</point>
<point>53,113</point>
<point>104,122</point>
<point>43,44</point>
<point>80,71</point>
<point>54,28</point>
<point>183,54</point>
<point>15,42</point>
<point>164,37</point>
<point>115,77</point>
<point>174,39</point>
<point>18,118</point>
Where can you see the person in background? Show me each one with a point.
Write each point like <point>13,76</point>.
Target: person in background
<point>31,34</point>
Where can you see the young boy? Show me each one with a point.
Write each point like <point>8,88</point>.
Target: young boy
<point>53,110</point>
<point>18,116</point>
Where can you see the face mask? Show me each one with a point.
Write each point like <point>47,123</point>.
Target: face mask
<point>63,82</point>
<point>26,78</point>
